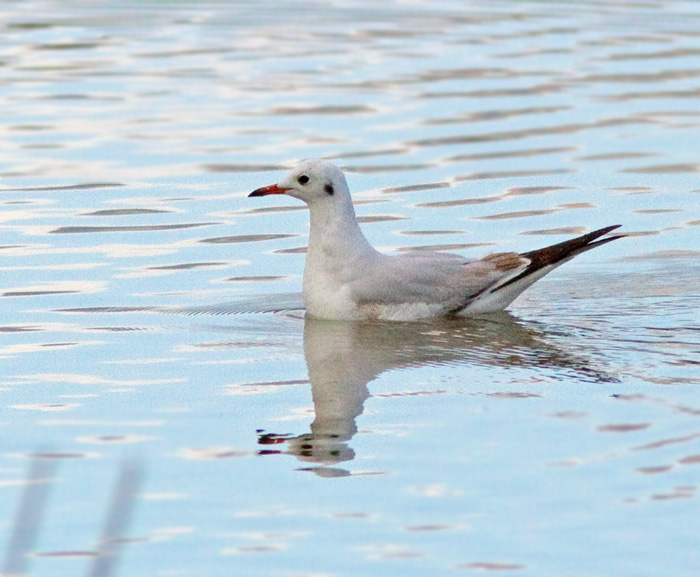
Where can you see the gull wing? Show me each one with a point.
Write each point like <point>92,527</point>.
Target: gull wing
<point>456,285</point>
<point>448,281</point>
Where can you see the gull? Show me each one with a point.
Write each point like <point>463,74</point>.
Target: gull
<point>346,278</point>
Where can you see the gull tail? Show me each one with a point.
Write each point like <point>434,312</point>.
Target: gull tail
<point>499,295</point>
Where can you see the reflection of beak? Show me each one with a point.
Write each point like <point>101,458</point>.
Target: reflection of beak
<point>265,190</point>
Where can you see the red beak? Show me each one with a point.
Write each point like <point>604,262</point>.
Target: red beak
<point>265,190</point>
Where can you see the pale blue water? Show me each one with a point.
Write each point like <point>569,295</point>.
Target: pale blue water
<point>150,312</point>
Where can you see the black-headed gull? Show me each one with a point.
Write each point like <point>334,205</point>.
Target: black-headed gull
<point>346,278</point>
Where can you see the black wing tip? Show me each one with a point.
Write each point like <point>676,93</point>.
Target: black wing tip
<point>601,232</point>
<point>557,254</point>
<point>575,245</point>
<point>608,239</point>
<point>606,230</point>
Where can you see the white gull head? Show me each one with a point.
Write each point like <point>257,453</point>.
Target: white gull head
<point>313,181</point>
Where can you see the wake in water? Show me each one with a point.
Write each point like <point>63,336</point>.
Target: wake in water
<point>266,304</point>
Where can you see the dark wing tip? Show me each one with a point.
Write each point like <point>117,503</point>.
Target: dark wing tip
<point>559,253</point>
<point>569,248</point>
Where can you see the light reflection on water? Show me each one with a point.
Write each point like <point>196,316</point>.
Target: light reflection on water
<point>131,133</point>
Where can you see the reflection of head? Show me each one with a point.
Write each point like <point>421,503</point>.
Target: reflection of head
<point>314,447</point>
<point>320,448</point>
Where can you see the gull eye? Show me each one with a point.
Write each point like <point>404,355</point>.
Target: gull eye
<point>329,188</point>
<point>303,179</point>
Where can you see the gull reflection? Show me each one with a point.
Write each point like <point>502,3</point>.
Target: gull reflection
<point>342,358</point>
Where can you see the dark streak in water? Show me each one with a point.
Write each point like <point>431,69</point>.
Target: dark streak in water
<point>666,442</point>
<point>664,254</point>
<point>665,169</point>
<point>568,230</point>
<point>633,189</point>
<point>368,219</point>
<point>519,214</point>
<point>187,266</point>
<point>526,190</point>
<point>321,109</point>
<point>646,78</point>
<point>417,187</point>
<point>277,383</point>
<point>617,156</point>
<point>67,46</point>
<point>656,94</point>
<point>527,133</point>
<point>143,228</point>
<point>242,167</point>
<point>371,153</point>
<point>115,329</point>
<point>438,75</point>
<point>659,54</point>
<point>429,232</point>
<point>658,211</point>
<point>74,96</point>
<point>458,202</point>
<point>87,186</point>
<point>295,250</point>
<point>367,169</point>
<point>35,293</point>
<point>67,554</point>
<point>58,456</point>
<point>245,238</point>
<point>272,209</point>
<point>30,25</point>
<point>259,278</point>
<point>513,174</point>
<point>491,566</point>
<point>528,152</point>
<point>496,93</point>
<point>11,329</point>
<point>125,212</point>
<point>491,115</point>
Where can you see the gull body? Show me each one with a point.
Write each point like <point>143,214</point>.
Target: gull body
<point>346,278</point>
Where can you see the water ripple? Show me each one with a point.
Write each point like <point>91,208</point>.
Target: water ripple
<point>476,125</point>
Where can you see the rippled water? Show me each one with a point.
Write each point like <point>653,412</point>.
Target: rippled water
<point>156,366</point>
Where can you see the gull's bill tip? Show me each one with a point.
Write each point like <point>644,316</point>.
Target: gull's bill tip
<point>265,190</point>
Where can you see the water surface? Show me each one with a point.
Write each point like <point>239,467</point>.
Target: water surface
<point>155,356</point>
